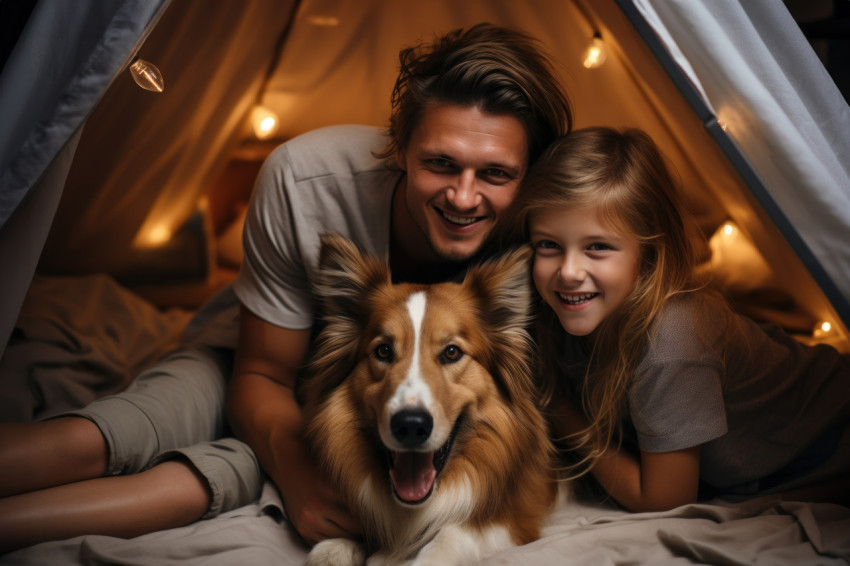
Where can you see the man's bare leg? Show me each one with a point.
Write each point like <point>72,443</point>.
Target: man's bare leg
<point>169,495</point>
<point>50,453</point>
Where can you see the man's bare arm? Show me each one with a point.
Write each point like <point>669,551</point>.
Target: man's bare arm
<point>264,414</point>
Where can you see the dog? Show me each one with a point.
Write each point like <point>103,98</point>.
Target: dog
<point>419,404</point>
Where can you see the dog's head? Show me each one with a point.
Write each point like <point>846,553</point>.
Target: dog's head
<point>416,365</point>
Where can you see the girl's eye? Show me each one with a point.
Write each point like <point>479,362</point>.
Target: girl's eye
<point>599,247</point>
<point>451,354</point>
<point>545,245</point>
<point>384,353</point>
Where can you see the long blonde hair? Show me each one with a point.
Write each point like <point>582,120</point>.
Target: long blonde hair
<point>624,175</point>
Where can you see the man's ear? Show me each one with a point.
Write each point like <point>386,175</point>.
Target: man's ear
<point>399,160</point>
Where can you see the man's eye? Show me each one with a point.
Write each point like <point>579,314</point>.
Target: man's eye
<point>440,163</point>
<point>384,353</point>
<point>451,354</point>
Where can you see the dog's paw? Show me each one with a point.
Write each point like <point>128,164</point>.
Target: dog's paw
<point>337,552</point>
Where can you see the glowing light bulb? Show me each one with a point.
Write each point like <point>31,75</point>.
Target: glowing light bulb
<point>147,75</point>
<point>264,122</point>
<point>594,55</point>
<point>158,235</point>
<point>728,229</point>
<point>823,329</point>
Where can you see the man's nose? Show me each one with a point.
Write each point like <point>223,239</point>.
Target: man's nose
<point>463,194</point>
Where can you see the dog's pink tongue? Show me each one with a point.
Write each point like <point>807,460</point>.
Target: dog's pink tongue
<point>413,475</point>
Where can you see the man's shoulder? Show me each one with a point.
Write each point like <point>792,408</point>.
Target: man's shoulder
<point>333,150</point>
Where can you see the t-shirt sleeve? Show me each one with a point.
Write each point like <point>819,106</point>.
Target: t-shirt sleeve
<point>273,281</point>
<point>676,395</point>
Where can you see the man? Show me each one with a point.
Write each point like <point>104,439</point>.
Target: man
<point>470,113</point>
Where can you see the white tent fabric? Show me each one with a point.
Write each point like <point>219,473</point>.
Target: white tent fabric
<point>76,49</point>
<point>756,70</point>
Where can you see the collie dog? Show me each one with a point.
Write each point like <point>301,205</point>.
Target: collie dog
<point>420,406</point>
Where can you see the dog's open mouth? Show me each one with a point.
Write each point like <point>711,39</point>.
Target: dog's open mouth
<point>413,473</point>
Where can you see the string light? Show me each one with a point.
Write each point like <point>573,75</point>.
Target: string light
<point>264,122</point>
<point>594,55</point>
<point>823,329</point>
<point>158,235</point>
<point>147,75</point>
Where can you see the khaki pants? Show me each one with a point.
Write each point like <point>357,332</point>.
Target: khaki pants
<point>176,410</point>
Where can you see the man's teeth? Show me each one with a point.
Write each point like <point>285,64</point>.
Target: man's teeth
<point>576,299</point>
<point>459,219</point>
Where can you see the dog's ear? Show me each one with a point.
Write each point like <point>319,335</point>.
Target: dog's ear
<point>503,286</point>
<point>346,275</point>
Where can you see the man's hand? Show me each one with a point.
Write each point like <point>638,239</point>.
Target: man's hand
<point>313,506</point>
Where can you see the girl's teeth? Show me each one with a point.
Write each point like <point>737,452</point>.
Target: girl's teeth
<point>576,299</point>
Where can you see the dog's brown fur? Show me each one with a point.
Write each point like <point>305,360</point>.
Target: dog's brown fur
<point>475,359</point>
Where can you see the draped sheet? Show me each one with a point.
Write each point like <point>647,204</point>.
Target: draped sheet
<point>756,70</point>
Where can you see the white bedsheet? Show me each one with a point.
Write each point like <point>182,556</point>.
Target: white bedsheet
<point>585,533</point>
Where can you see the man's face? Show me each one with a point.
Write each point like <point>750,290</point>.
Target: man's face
<point>464,167</point>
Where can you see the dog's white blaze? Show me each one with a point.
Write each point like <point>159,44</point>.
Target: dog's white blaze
<point>413,391</point>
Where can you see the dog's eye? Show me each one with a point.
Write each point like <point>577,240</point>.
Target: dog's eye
<point>384,353</point>
<point>451,354</point>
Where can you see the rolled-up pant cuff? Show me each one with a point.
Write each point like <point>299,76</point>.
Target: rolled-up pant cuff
<point>230,468</point>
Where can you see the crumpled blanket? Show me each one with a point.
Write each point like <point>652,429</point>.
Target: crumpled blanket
<point>77,339</point>
<point>581,532</point>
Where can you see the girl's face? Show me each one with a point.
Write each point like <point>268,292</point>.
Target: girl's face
<point>584,267</point>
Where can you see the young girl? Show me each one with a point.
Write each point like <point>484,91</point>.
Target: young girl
<point>663,392</point>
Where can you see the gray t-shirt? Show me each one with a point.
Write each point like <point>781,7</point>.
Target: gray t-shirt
<point>325,180</point>
<point>753,396</point>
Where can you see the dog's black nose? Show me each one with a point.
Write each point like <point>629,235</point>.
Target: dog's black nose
<point>412,427</point>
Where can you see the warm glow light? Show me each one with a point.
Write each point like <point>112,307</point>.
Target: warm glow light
<point>147,75</point>
<point>594,55</point>
<point>822,329</point>
<point>323,21</point>
<point>264,122</point>
<point>728,228</point>
<point>158,236</point>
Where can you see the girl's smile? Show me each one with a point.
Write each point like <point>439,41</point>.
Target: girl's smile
<point>584,267</point>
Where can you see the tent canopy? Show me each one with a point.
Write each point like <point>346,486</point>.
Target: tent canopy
<point>152,183</point>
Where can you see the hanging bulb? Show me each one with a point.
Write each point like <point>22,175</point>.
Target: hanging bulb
<point>823,329</point>
<point>594,55</point>
<point>147,75</point>
<point>728,229</point>
<point>264,122</point>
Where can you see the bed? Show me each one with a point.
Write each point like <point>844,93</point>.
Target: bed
<point>72,346</point>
